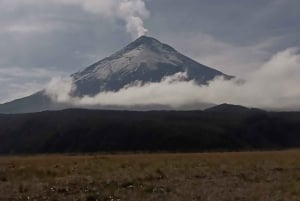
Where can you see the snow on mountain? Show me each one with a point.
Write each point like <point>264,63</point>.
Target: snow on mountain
<point>144,60</point>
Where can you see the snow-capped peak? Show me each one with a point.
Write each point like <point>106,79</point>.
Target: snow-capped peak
<point>144,50</point>
<point>146,59</point>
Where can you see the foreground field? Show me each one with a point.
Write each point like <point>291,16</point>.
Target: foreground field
<point>260,176</point>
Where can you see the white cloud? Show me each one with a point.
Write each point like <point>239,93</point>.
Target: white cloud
<point>59,89</point>
<point>273,86</point>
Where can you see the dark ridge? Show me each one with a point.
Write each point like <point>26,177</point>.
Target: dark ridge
<point>79,130</point>
<point>232,108</point>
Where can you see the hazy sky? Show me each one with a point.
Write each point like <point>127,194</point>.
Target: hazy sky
<point>50,38</point>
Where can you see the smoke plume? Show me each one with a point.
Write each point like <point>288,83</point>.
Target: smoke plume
<point>132,12</point>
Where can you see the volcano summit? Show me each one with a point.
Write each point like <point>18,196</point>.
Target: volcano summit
<point>145,60</point>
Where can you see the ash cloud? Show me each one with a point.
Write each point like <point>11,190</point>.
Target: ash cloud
<point>273,86</point>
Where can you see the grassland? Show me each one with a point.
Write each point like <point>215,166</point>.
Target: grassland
<point>244,176</point>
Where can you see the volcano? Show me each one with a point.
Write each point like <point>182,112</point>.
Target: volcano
<point>144,60</point>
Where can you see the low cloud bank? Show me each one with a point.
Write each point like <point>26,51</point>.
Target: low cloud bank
<point>274,86</point>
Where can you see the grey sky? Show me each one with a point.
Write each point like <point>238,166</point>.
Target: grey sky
<point>50,38</point>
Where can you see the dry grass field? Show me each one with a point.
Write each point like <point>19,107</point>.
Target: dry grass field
<point>245,176</point>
